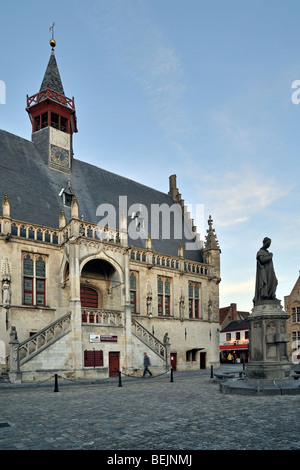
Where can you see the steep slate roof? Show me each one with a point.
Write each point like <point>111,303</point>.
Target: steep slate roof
<point>33,191</point>
<point>33,188</point>
<point>52,76</point>
<point>237,325</point>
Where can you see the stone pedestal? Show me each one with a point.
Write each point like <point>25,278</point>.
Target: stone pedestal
<point>269,340</point>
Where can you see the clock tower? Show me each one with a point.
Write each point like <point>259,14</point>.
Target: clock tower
<point>53,118</point>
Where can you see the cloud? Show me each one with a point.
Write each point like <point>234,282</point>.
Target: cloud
<point>238,194</point>
<point>245,287</point>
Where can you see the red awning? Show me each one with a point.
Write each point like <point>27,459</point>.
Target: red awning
<point>236,346</point>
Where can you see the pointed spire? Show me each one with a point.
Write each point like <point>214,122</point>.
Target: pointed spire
<point>211,239</point>
<point>52,77</point>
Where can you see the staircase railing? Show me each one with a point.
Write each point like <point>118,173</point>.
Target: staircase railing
<point>44,338</point>
<point>149,339</point>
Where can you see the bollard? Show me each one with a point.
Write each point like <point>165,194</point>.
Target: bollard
<point>120,379</point>
<point>55,383</point>
<point>172,379</point>
<point>211,372</point>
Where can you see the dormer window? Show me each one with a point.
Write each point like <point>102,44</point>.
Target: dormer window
<point>67,195</point>
<point>67,199</point>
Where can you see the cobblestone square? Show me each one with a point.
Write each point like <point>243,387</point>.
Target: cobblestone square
<point>151,414</point>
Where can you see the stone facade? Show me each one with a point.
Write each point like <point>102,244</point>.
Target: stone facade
<point>87,298</point>
<point>76,260</point>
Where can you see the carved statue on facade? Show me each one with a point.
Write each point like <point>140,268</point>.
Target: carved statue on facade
<point>6,294</point>
<point>181,308</point>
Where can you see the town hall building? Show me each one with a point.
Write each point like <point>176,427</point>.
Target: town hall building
<point>96,269</point>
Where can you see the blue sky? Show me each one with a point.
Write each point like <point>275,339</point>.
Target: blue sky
<point>200,89</point>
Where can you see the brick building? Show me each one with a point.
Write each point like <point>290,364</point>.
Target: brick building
<point>292,307</point>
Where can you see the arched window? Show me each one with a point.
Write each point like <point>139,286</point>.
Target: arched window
<point>132,292</point>
<point>194,297</point>
<point>163,296</point>
<point>88,297</point>
<point>34,280</point>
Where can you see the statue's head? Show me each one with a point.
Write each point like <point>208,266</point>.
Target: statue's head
<point>266,242</point>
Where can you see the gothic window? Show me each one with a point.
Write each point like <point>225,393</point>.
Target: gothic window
<point>194,298</point>
<point>133,291</point>
<point>163,296</point>
<point>34,280</point>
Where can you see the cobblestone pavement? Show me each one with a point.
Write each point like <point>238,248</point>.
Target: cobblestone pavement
<point>145,414</point>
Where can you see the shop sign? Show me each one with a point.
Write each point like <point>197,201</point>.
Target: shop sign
<point>108,339</point>
<point>94,338</point>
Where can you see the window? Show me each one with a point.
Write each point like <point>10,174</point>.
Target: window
<point>133,292</point>
<point>37,123</point>
<point>63,124</point>
<point>237,335</point>
<point>295,340</point>
<point>44,120</point>
<point>296,314</point>
<point>228,336</point>
<point>191,355</point>
<point>163,296</point>
<point>194,297</point>
<point>34,280</point>
<point>55,120</point>
<point>93,358</point>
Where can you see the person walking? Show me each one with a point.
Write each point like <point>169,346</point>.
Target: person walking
<point>147,363</point>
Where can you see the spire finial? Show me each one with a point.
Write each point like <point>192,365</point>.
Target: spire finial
<point>52,40</point>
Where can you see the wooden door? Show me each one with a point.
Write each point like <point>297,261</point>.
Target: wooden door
<point>88,297</point>
<point>203,360</point>
<point>114,363</point>
<point>173,360</point>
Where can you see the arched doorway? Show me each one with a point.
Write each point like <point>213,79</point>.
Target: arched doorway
<point>101,292</point>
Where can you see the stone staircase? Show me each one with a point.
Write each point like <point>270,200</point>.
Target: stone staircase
<point>44,338</point>
<point>149,339</point>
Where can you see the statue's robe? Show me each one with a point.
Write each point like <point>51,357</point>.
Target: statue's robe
<point>266,281</point>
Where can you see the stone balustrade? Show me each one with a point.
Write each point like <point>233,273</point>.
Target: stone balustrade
<point>43,338</point>
<point>100,316</point>
<point>149,339</point>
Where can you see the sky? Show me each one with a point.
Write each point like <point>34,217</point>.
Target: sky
<point>206,90</point>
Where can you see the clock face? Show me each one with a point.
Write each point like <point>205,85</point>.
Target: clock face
<point>59,156</point>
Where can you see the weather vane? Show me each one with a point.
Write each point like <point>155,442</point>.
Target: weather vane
<point>52,40</point>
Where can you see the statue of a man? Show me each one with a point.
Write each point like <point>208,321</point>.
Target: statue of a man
<point>266,281</point>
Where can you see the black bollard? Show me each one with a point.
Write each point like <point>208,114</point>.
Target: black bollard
<point>120,379</point>
<point>211,372</point>
<point>172,379</point>
<point>55,383</point>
